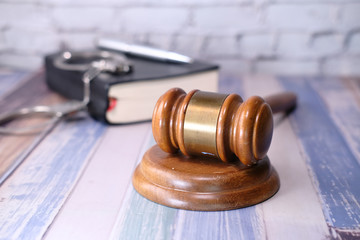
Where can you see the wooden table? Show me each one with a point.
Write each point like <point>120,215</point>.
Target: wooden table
<point>73,179</point>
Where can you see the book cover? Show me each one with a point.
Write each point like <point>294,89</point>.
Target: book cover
<point>148,80</point>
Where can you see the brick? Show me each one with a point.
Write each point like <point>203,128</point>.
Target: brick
<point>31,41</point>
<point>307,46</point>
<point>137,38</point>
<point>234,66</point>
<point>222,46</point>
<point>305,17</point>
<point>25,1</point>
<point>189,45</point>
<point>154,20</point>
<point>162,41</point>
<point>257,45</point>
<point>21,61</point>
<point>83,3</point>
<point>287,67</point>
<point>227,19</point>
<point>78,41</point>
<point>327,44</point>
<point>137,3</point>
<point>342,66</point>
<point>350,16</point>
<point>85,18</point>
<point>354,44</point>
<point>25,16</point>
<point>200,2</point>
<point>294,45</point>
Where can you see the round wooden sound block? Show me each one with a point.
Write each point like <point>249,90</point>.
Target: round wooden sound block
<point>203,183</point>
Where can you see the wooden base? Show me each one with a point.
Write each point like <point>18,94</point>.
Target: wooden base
<point>203,183</point>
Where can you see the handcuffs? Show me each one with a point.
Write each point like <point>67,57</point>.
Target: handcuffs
<point>100,62</point>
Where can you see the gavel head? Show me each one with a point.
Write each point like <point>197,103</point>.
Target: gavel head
<point>214,124</point>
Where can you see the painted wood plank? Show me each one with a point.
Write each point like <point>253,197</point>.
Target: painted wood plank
<point>342,98</point>
<point>295,211</point>
<point>143,219</point>
<point>33,195</point>
<point>333,165</point>
<point>92,208</point>
<point>26,92</point>
<point>140,218</point>
<point>300,217</point>
<point>9,82</point>
<point>235,224</point>
<point>18,148</point>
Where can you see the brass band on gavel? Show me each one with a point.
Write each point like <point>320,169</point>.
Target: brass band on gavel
<point>201,121</point>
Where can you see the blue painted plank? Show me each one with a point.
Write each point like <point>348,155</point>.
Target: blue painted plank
<point>333,166</point>
<point>344,108</point>
<point>235,224</point>
<point>33,195</point>
<point>144,219</point>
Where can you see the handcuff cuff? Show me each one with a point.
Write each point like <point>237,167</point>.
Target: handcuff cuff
<point>100,62</point>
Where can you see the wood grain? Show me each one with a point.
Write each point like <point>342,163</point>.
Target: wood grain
<point>345,114</point>
<point>32,196</point>
<point>203,183</point>
<point>93,207</point>
<point>35,192</point>
<point>15,148</point>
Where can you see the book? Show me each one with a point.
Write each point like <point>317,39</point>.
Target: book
<point>122,99</point>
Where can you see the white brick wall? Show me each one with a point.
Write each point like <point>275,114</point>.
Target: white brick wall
<point>25,16</point>
<point>350,17</point>
<point>287,67</point>
<point>258,45</point>
<point>222,46</point>
<point>302,17</point>
<point>324,45</point>
<point>342,66</point>
<point>244,36</point>
<point>219,20</point>
<point>154,20</point>
<point>294,45</point>
<point>191,45</point>
<point>70,19</point>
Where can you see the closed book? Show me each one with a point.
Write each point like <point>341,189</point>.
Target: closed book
<point>121,99</point>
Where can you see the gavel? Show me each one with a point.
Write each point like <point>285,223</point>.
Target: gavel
<point>218,125</point>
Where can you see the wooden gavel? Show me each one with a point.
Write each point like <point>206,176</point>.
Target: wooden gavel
<point>220,125</point>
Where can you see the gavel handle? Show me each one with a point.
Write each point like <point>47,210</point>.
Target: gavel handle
<point>282,102</point>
